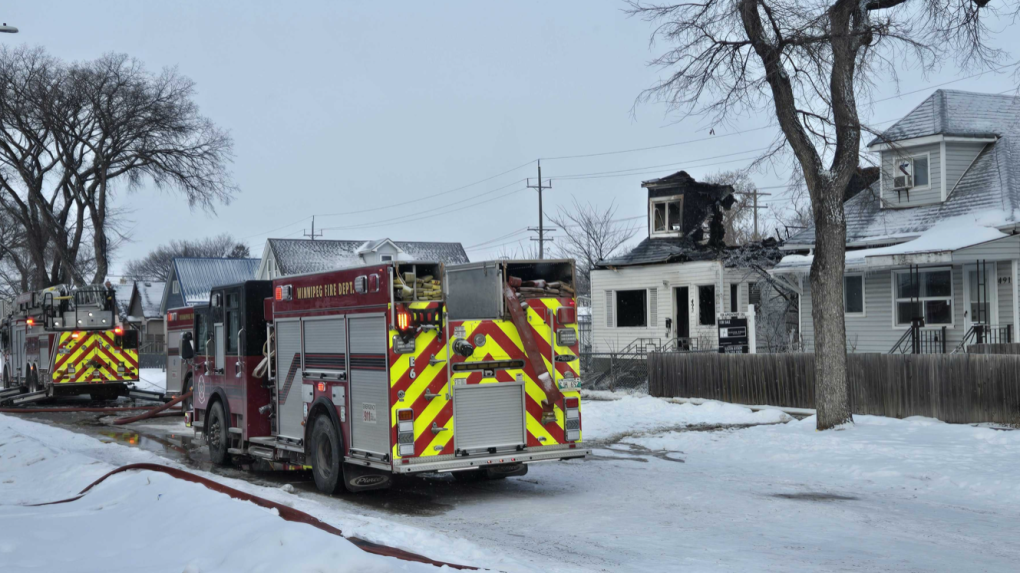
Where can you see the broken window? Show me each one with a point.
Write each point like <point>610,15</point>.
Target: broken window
<point>706,305</point>
<point>666,215</point>
<point>853,294</point>
<point>632,308</point>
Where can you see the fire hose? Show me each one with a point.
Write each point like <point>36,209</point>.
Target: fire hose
<point>150,411</point>
<point>285,512</point>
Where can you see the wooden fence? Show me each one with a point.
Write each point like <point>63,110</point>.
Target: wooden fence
<point>1004,348</point>
<point>958,388</point>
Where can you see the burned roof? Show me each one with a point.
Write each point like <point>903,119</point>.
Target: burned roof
<point>683,250</point>
<point>298,256</point>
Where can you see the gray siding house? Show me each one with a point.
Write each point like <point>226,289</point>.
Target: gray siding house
<point>932,246</point>
<point>285,257</point>
<point>192,279</point>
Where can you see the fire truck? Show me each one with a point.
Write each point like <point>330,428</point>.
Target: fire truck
<point>395,368</point>
<point>64,341</point>
<point>179,373</point>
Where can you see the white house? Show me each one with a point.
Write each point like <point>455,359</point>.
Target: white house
<point>670,288</point>
<point>932,247</point>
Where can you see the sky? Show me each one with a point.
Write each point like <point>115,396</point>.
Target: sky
<point>352,111</point>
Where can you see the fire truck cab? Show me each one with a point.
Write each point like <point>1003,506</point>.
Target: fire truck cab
<point>181,325</point>
<point>394,368</point>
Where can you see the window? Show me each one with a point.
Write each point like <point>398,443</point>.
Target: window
<point>734,297</point>
<point>926,294</point>
<point>385,258</point>
<point>202,335</point>
<point>666,215</point>
<point>233,322</point>
<point>706,305</point>
<point>916,167</point>
<point>853,295</point>
<point>631,308</point>
<point>176,288</point>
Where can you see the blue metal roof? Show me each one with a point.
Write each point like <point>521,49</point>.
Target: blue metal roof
<point>198,276</point>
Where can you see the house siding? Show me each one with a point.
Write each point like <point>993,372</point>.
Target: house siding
<point>875,331</point>
<point>172,299</point>
<point>913,197</point>
<point>959,157</point>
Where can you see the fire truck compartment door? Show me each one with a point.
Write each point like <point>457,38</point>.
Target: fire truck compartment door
<point>173,362</point>
<point>19,351</point>
<point>288,378</point>
<point>488,415</point>
<point>370,410</point>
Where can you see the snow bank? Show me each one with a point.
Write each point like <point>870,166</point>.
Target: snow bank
<point>604,420</point>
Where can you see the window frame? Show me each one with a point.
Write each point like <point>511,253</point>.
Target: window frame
<point>616,307</point>
<point>913,171</point>
<point>175,287</point>
<point>715,305</point>
<point>679,199</point>
<point>864,296</point>
<point>951,298</point>
<point>734,297</point>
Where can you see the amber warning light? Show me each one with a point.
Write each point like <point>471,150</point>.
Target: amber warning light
<point>30,322</point>
<point>283,292</point>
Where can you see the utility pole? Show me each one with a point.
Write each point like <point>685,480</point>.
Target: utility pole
<point>313,235</point>
<point>541,215</point>
<point>754,196</point>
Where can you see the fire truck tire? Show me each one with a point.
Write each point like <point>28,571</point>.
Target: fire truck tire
<point>7,378</point>
<point>216,434</point>
<point>325,456</point>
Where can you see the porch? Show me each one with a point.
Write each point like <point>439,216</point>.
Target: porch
<point>905,299</point>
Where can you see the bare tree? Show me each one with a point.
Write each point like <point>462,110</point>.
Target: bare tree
<point>590,235</point>
<point>807,63</point>
<point>156,265</point>
<point>73,135</point>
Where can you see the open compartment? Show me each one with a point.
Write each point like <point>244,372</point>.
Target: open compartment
<point>542,278</point>
<point>417,281</point>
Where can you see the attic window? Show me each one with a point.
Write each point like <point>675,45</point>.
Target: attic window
<point>385,258</point>
<point>912,171</point>
<point>666,215</point>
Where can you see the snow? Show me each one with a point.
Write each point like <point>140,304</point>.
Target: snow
<point>152,379</point>
<point>631,413</point>
<point>666,490</point>
<point>945,236</point>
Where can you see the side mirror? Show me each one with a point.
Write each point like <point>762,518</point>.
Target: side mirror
<point>187,348</point>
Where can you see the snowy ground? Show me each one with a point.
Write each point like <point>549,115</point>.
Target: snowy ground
<point>152,379</point>
<point>670,487</point>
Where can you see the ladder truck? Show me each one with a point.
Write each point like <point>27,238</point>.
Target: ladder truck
<point>396,368</point>
<point>66,341</point>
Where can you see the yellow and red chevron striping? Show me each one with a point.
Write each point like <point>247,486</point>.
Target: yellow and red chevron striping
<point>95,357</point>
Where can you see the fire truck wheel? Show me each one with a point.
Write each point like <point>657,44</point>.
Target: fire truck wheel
<point>217,434</point>
<point>325,455</point>
<point>7,378</point>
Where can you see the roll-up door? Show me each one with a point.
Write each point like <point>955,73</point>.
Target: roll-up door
<point>325,344</point>
<point>288,378</point>
<point>370,418</point>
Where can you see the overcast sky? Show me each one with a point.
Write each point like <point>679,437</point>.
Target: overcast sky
<point>348,111</point>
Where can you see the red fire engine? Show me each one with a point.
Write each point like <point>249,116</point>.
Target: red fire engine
<point>66,340</point>
<point>401,367</point>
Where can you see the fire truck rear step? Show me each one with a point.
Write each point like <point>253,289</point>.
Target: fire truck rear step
<point>263,453</point>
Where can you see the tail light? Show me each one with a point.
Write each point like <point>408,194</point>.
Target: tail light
<point>118,330</point>
<point>283,292</point>
<point>566,315</point>
<point>403,319</point>
<point>572,418</point>
<point>30,322</point>
<point>405,431</point>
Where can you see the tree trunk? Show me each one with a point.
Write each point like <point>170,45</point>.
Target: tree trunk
<point>832,401</point>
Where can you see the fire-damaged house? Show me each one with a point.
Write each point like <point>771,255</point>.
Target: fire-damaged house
<point>668,291</point>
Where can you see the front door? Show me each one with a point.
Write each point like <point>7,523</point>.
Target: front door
<point>683,315</point>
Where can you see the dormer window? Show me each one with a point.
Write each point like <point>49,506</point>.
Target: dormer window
<point>911,172</point>
<point>666,215</point>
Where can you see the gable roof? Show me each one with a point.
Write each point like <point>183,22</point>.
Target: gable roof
<point>122,293</point>
<point>990,188</point>
<point>957,113</point>
<point>299,256</point>
<point>196,277</point>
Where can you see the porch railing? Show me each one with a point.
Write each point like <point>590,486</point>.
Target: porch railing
<point>986,334</point>
<point>920,340</point>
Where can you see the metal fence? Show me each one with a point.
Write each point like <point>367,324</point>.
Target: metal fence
<point>152,355</point>
<point>958,388</point>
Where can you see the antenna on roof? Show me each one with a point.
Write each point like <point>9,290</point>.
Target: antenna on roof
<point>313,235</point>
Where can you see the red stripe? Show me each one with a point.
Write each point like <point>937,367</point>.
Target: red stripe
<point>75,345</point>
<point>422,443</point>
<point>420,364</point>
